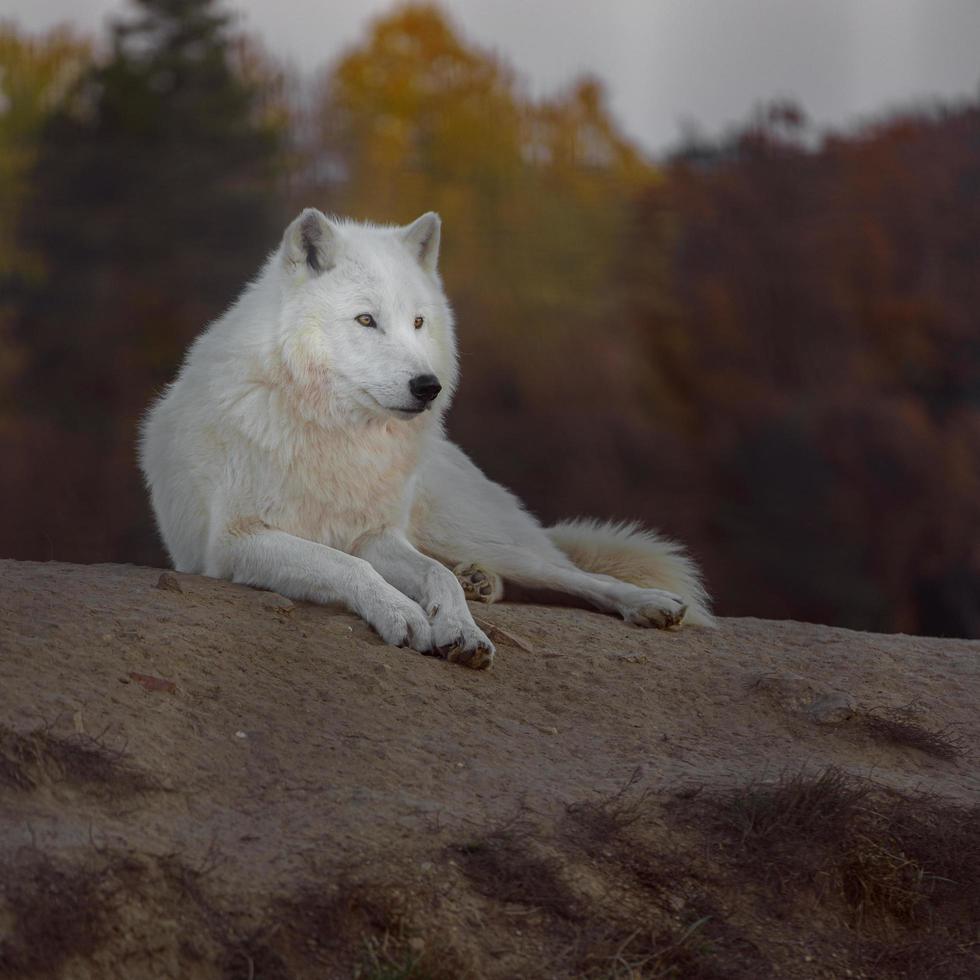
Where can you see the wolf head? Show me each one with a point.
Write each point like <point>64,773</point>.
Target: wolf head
<point>365,326</point>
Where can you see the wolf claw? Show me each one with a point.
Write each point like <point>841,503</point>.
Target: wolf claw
<point>478,658</point>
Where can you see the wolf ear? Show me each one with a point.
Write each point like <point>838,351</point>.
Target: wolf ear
<point>421,238</point>
<point>310,241</point>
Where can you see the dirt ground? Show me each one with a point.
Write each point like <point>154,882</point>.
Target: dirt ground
<point>202,780</point>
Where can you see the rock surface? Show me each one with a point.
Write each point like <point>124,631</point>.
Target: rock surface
<point>298,799</point>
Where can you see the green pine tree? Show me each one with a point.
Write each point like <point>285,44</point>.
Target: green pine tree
<point>156,195</point>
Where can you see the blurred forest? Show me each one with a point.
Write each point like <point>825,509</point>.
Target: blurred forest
<point>767,345</point>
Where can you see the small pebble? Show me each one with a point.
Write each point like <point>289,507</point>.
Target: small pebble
<point>634,658</point>
<point>831,709</point>
<point>169,582</point>
<point>277,603</point>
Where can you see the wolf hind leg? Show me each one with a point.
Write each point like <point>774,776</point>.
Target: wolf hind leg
<point>459,516</point>
<point>529,576</point>
<point>639,606</point>
<point>630,553</point>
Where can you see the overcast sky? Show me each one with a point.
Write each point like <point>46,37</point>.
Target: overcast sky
<point>665,62</point>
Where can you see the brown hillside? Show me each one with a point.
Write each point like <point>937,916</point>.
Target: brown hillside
<point>201,780</point>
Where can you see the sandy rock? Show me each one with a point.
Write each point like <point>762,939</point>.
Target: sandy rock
<point>296,850</point>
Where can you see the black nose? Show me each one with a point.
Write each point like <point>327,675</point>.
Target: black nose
<point>425,387</point>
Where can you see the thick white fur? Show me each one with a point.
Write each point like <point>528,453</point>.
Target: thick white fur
<point>290,454</point>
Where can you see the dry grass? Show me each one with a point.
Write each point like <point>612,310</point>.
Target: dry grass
<point>251,958</point>
<point>901,870</point>
<point>387,959</point>
<point>623,928</point>
<point>54,912</point>
<point>715,885</point>
<point>648,953</point>
<point>504,866</point>
<point>363,930</point>
<point>655,920</point>
<point>340,916</point>
<point>921,958</point>
<point>602,822</point>
<point>783,822</point>
<point>902,726</point>
<point>40,757</point>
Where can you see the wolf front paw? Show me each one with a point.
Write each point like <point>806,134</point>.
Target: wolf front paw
<point>479,584</point>
<point>400,622</point>
<point>461,641</point>
<point>478,656</point>
<point>654,607</point>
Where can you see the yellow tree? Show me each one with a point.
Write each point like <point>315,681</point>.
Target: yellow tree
<point>35,75</point>
<point>533,194</point>
<point>415,120</point>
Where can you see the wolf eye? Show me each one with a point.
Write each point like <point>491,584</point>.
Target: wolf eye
<point>366,320</point>
<point>419,321</point>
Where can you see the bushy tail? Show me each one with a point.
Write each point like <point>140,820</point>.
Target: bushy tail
<point>626,551</point>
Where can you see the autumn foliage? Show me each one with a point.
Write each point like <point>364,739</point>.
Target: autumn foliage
<point>767,345</point>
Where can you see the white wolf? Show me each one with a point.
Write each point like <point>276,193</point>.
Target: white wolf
<point>301,449</point>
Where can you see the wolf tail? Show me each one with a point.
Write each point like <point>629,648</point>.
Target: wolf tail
<point>629,552</point>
